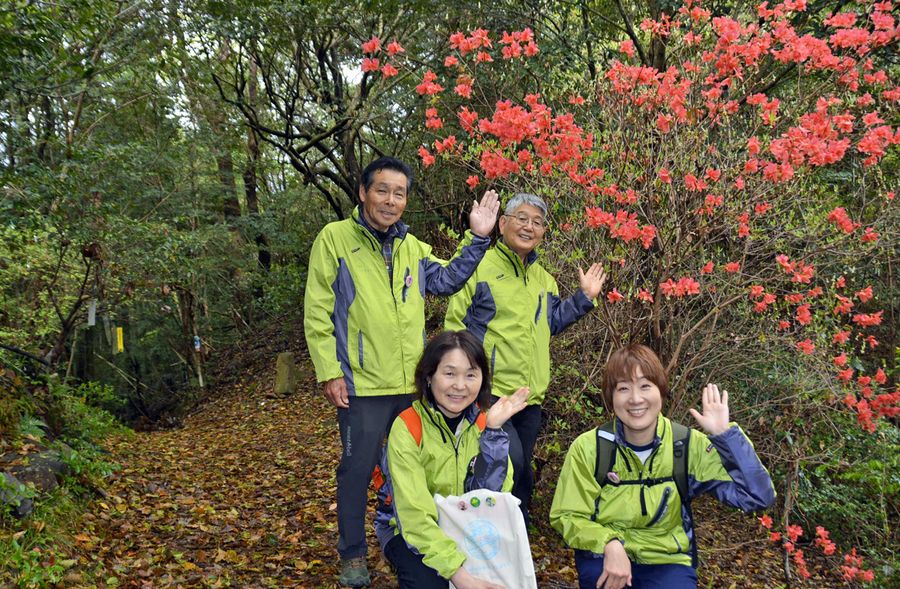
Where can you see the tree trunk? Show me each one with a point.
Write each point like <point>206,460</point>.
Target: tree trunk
<point>250,175</point>
<point>49,128</point>
<point>189,329</point>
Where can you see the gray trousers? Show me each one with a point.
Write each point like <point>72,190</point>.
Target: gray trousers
<point>363,429</point>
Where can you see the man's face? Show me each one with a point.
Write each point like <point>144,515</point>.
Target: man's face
<point>523,230</point>
<point>385,200</point>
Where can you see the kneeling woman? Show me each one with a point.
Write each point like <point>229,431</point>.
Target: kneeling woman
<point>628,524</point>
<point>445,444</point>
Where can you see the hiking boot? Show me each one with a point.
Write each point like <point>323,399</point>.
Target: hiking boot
<point>355,573</point>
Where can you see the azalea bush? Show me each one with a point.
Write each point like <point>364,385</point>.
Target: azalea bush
<point>742,198</point>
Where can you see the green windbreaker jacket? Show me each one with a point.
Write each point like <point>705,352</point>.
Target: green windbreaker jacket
<point>449,463</point>
<point>514,308</point>
<point>360,324</point>
<point>642,507</point>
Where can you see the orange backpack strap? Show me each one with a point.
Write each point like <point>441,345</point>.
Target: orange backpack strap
<point>413,423</point>
<point>481,421</point>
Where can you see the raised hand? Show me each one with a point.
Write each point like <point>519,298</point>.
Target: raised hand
<point>714,419</point>
<point>506,407</point>
<point>592,281</point>
<point>484,214</point>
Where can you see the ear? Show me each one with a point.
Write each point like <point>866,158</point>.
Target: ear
<point>503,221</point>
<point>362,193</point>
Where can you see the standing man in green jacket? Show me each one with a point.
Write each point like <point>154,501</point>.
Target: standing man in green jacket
<point>512,304</point>
<point>364,319</point>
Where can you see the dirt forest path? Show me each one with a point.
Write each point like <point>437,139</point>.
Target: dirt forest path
<point>242,495</point>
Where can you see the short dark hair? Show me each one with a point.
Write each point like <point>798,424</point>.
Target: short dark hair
<point>624,363</point>
<point>447,342</point>
<point>386,163</point>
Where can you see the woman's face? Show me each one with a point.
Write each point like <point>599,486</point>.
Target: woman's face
<point>455,383</point>
<point>637,404</point>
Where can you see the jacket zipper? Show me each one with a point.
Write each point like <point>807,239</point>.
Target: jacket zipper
<point>663,505</point>
<point>454,441</point>
<point>641,476</point>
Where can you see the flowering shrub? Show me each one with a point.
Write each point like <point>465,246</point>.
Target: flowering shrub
<point>705,188</point>
<point>851,569</point>
<point>735,195</point>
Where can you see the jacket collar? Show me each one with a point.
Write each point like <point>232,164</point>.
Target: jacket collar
<point>397,230</point>
<point>514,257</point>
<point>470,414</point>
<point>661,424</point>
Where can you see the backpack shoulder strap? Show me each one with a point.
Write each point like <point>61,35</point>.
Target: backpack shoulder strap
<point>681,440</point>
<point>481,421</point>
<point>606,452</point>
<point>413,423</point>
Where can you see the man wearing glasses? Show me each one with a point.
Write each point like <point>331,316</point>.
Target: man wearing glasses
<point>512,305</point>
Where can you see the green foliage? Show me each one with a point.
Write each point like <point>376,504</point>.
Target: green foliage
<point>31,567</point>
<point>102,396</point>
<point>82,424</point>
<point>37,554</point>
<point>855,491</point>
<point>33,427</point>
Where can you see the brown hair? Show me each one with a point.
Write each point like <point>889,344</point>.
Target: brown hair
<point>624,363</point>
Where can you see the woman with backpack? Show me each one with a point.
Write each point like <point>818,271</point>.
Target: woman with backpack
<point>445,443</point>
<point>624,492</point>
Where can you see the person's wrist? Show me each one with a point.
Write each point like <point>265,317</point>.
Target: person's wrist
<point>719,431</point>
<point>614,540</point>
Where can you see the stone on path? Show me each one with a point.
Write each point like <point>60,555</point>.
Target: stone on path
<point>285,374</point>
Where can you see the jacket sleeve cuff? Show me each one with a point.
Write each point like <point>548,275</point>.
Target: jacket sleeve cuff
<point>323,377</point>
<point>476,239</point>
<point>728,437</point>
<point>455,563</point>
<point>582,303</point>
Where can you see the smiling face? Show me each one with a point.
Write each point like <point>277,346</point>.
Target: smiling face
<point>637,403</point>
<point>456,383</point>
<point>523,229</point>
<point>385,200</point>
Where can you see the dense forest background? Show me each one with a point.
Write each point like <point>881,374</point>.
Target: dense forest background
<point>166,164</point>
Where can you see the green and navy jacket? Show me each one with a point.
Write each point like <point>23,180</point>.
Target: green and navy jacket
<point>366,324</point>
<point>445,462</point>
<point>640,505</point>
<point>514,308</point>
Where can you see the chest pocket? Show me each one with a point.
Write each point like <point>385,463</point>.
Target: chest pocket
<point>541,306</point>
<point>407,283</point>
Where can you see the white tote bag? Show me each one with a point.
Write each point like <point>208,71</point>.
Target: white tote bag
<point>489,529</point>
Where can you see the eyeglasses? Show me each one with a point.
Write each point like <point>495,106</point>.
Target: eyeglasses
<point>522,220</point>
